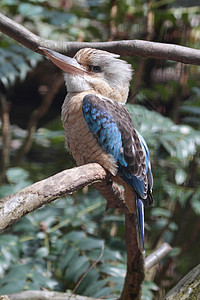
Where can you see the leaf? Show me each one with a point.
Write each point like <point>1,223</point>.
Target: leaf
<point>83,268</point>
<point>71,252</point>
<point>15,273</point>
<point>9,251</point>
<point>191,109</point>
<point>160,212</point>
<point>10,288</point>
<point>180,176</point>
<point>108,254</point>
<point>118,283</point>
<point>113,218</point>
<point>115,271</point>
<point>91,290</point>
<point>17,174</point>
<point>174,252</point>
<point>75,236</point>
<point>89,280</point>
<point>90,243</point>
<point>103,292</point>
<point>42,252</point>
<point>25,226</point>
<point>195,203</point>
<point>5,190</point>
<point>150,285</point>
<point>40,280</point>
<point>28,10</point>
<point>73,272</point>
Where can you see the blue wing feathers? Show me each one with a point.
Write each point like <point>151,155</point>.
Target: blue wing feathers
<point>115,133</point>
<point>104,127</point>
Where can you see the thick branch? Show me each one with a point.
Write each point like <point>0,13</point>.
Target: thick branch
<point>124,48</point>
<point>188,287</point>
<point>44,295</point>
<point>13,207</point>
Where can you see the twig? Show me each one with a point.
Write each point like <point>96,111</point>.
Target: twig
<point>5,156</point>
<point>14,207</point>
<point>124,48</point>
<point>113,14</point>
<point>88,270</point>
<point>141,65</point>
<point>36,115</point>
<point>157,255</point>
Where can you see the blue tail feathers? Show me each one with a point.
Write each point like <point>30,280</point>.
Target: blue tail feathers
<point>139,223</point>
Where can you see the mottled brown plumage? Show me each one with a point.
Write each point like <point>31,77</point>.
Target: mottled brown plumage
<point>79,140</point>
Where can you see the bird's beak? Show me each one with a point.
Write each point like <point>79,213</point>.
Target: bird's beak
<point>65,63</point>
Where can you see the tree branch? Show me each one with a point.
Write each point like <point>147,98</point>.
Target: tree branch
<point>36,115</point>
<point>124,48</point>
<point>44,295</point>
<point>14,207</point>
<point>155,257</point>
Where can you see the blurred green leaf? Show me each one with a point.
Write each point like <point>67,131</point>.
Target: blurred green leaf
<point>64,238</point>
<point>160,212</point>
<point>17,174</point>
<point>88,243</point>
<point>180,176</point>
<point>41,252</point>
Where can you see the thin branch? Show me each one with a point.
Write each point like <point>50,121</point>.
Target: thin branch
<point>6,137</point>
<point>155,257</point>
<point>14,207</point>
<point>88,270</point>
<point>142,62</point>
<point>113,14</point>
<point>36,115</point>
<point>124,48</point>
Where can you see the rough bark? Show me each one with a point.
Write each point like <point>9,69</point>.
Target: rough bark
<point>46,295</point>
<point>13,207</point>
<point>135,263</point>
<point>187,288</point>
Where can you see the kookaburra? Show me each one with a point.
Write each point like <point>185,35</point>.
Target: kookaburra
<point>98,127</point>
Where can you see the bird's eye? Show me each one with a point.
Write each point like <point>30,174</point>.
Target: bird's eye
<point>95,69</point>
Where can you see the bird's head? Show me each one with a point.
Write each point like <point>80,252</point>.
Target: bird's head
<point>96,70</point>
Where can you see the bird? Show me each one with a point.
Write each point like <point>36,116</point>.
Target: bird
<point>98,127</point>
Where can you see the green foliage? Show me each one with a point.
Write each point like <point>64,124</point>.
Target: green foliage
<point>191,108</point>
<point>62,240</point>
<point>179,141</point>
<point>56,245</point>
<point>15,62</point>
<point>55,253</point>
